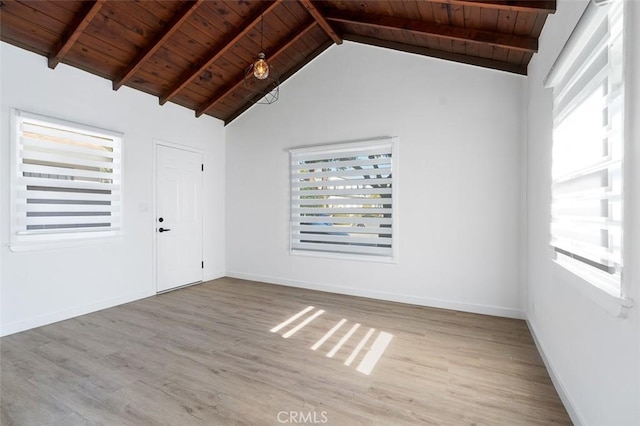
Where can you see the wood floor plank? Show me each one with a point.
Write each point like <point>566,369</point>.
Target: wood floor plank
<point>205,355</point>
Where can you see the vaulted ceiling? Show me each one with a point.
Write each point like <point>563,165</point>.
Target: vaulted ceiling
<point>195,53</point>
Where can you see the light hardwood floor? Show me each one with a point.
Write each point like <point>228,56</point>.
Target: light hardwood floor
<point>205,355</point>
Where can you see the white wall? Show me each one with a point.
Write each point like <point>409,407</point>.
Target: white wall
<point>460,130</point>
<point>40,287</point>
<point>592,353</point>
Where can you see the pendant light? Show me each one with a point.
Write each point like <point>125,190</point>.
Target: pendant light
<point>260,80</point>
<point>261,67</point>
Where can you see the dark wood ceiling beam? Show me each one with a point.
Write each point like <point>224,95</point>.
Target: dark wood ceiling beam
<point>283,78</point>
<point>469,35</point>
<point>321,20</point>
<point>79,24</point>
<point>240,80</point>
<point>217,53</point>
<point>449,56</point>
<point>156,44</point>
<point>534,6</point>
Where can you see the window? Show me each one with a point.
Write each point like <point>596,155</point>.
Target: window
<point>588,141</point>
<point>66,182</point>
<point>342,199</point>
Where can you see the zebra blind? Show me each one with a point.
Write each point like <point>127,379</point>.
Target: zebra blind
<point>342,199</point>
<point>588,143</point>
<point>66,181</point>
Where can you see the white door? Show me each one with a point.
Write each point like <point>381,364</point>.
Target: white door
<point>179,217</point>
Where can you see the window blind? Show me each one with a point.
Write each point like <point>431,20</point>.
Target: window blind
<point>67,181</point>
<point>342,199</point>
<point>587,180</point>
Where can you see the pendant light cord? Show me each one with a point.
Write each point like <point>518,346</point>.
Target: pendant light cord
<point>261,31</point>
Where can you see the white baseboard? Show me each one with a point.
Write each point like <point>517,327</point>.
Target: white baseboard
<point>40,320</point>
<point>213,276</point>
<point>575,416</point>
<point>392,297</point>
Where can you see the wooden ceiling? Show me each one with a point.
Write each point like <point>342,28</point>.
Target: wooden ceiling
<point>195,53</point>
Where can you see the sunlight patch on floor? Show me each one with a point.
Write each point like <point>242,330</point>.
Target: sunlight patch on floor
<point>358,348</point>
<point>292,319</point>
<point>302,324</point>
<point>373,352</point>
<point>329,334</point>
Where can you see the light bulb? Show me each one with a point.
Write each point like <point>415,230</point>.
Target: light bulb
<point>260,68</point>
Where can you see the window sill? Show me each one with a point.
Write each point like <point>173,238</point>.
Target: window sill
<point>54,245</point>
<point>344,256</point>
<point>615,305</point>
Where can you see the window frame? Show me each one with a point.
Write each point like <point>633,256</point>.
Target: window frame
<point>613,298</point>
<point>336,148</point>
<point>68,238</point>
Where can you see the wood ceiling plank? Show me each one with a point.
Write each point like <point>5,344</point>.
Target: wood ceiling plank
<point>76,28</point>
<point>506,21</point>
<point>171,27</point>
<point>457,15</point>
<point>208,23</point>
<point>471,17</point>
<point>426,11</point>
<point>546,6</point>
<point>422,40</point>
<point>224,46</point>
<point>440,13</point>
<point>168,63</point>
<point>48,14</point>
<point>500,54</point>
<point>321,20</point>
<point>186,48</point>
<point>486,51</point>
<point>446,44</point>
<point>71,6</point>
<point>150,79</point>
<point>472,49</point>
<point>537,26</point>
<point>489,19</point>
<point>450,56</point>
<point>315,38</point>
<point>374,7</point>
<point>242,9</point>
<point>196,38</point>
<point>411,10</point>
<point>14,18</point>
<point>459,47</point>
<point>515,57</point>
<point>520,43</point>
<point>93,60</point>
<point>273,30</point>
<point>194,97</point>
<point>398,9</point>
<point>294,13</point>
<point>240,79</point>
<point>90,43</point>
<point>524,23</point>
<point>28,39</point>
<point>250,42</point>
<point>125,32</point>
<point>131,18</point>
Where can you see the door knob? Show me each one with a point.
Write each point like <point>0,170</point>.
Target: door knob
<point>164,229</point>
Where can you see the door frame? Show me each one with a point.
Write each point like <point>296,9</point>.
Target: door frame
<point>155,144</point>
